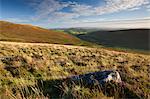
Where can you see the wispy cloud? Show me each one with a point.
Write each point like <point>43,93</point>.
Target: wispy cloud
<point>136,8</point>
<point>110,6</point>
<point>53,11</point>
<point>53,8</point>
<point>17,20</point>
<point>148,7</point>
<point>115,24</point>
<point>47,8</point>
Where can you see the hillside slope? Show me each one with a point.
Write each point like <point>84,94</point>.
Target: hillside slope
<point>132,38</point>
<point>23,65</point>
<point>28,33</point>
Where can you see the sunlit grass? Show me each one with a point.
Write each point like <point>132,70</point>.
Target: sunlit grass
<point>31,71</point>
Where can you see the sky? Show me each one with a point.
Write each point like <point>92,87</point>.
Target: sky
<point>77,13</point>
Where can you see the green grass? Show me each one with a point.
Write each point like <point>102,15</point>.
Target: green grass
<point>37,71</point>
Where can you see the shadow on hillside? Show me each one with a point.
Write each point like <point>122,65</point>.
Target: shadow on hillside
<point>132,39</point>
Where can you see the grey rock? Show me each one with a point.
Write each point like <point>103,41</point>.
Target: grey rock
<point>100,77</point>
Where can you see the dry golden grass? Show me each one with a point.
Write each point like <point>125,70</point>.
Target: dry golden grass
<point>28,33</point>
<point>22,65</point>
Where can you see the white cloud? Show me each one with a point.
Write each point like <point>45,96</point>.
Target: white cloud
<point>17,20</point>
<point>119,5</point>
<point>133,9</point>
<point>148,8</point>
<point>123,24</point>
<point>83,10</point>
<point>51,10</point>
<point>47,7</point>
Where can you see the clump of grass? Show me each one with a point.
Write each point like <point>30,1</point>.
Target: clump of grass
<point>24,65</point>
<point>75,91</point>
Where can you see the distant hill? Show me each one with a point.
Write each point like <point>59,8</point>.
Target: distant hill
<point>131,38</point>
<point>75,31</point>
<point>28,33</point>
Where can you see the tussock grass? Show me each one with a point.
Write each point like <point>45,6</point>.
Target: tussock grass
<point>38,71</point>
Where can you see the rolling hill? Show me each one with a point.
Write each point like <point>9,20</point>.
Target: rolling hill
<point>28,33</point>
<point>131,38</point>
<point>75,31</point>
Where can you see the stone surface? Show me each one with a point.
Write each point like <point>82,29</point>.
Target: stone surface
<point>100,77</point>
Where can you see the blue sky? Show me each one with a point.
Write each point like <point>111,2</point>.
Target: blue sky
<point>77,13</point>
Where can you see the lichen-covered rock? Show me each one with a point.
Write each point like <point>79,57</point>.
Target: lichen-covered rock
<point>113,76</point>
<point>100,77</point>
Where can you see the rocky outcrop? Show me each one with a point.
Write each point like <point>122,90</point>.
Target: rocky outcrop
<point>100,77</point>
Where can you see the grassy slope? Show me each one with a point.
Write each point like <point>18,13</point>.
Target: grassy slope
<point>29,33</point>
<point>132,39</point>
<point>75,31</point>
<point>22,65</point>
